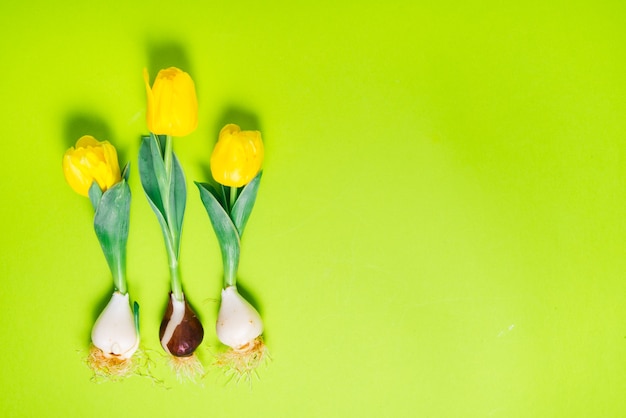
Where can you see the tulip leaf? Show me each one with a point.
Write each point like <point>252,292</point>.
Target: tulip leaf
<point>95,194</point>
<point>126,171</point>
<point>136,316</point>
<point>149,152</point>
<point>245,202</point>
<point>178,198</point>
<point>147,174</point>
<point>225,230</point>
<point>220,194</point>
<point>160,141</point>
<point>111,223</point>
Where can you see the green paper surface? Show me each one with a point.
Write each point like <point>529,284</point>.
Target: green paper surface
<point>439,231</point>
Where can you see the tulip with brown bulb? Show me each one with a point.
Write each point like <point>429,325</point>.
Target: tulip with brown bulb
<point>91,169</point>
<point>171,111</point>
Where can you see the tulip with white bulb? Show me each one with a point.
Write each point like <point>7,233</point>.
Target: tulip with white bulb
<point>236,167</point>
<point>92,170</point>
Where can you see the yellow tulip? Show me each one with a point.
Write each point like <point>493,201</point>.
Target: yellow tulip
<point>91,160</point>
<point>237,156</point>
<point>172,103</point>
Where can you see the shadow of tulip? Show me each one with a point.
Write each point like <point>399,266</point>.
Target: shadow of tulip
<point>247,120</point>
<point>249,296</point>
<point>100,304</point>
<point>79,123</point>
<point>165,54</point>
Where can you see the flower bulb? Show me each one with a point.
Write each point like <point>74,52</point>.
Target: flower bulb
<point>181,331</point>
<point>115,332</point>
<point>238,323</point>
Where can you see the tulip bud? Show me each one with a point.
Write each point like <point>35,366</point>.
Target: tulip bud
<point>91,161</point>
<point>237,156</point>
<point>172,104</point>
<point>238,323</point>
<point>114,332</point>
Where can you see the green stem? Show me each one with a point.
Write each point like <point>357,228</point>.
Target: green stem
<point>176,283</point>
<point>230,274</point>
<point>233,196</point>
<point>230,270</point>
<point>119,275</point>
<point>172,242</point>
<point>167,157</point>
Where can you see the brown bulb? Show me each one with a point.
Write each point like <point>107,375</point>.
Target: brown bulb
<point>181,331</point>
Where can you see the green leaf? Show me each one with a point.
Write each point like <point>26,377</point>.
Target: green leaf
<point>161,139</point>
<point>216,192</point>
<point>126,171</point>
<point>225,230</point>
<point>136,316</point>
<point>150,167</point>
<point>95,194</point>
<point>178,199</point>
<point>245,202</point>
<point>111,223</point>
<point>149,170</point>
<point>221,196</point>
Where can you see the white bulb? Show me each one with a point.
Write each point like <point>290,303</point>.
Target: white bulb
<point>114,331</point>
<point>238,323</point>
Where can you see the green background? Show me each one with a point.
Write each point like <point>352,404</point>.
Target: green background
<point>439,230</point>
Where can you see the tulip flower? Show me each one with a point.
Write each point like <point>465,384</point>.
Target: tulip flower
<point>91,160</point>
<point>237,155</point>
<point>172,104</point>
<point>92,170</point>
